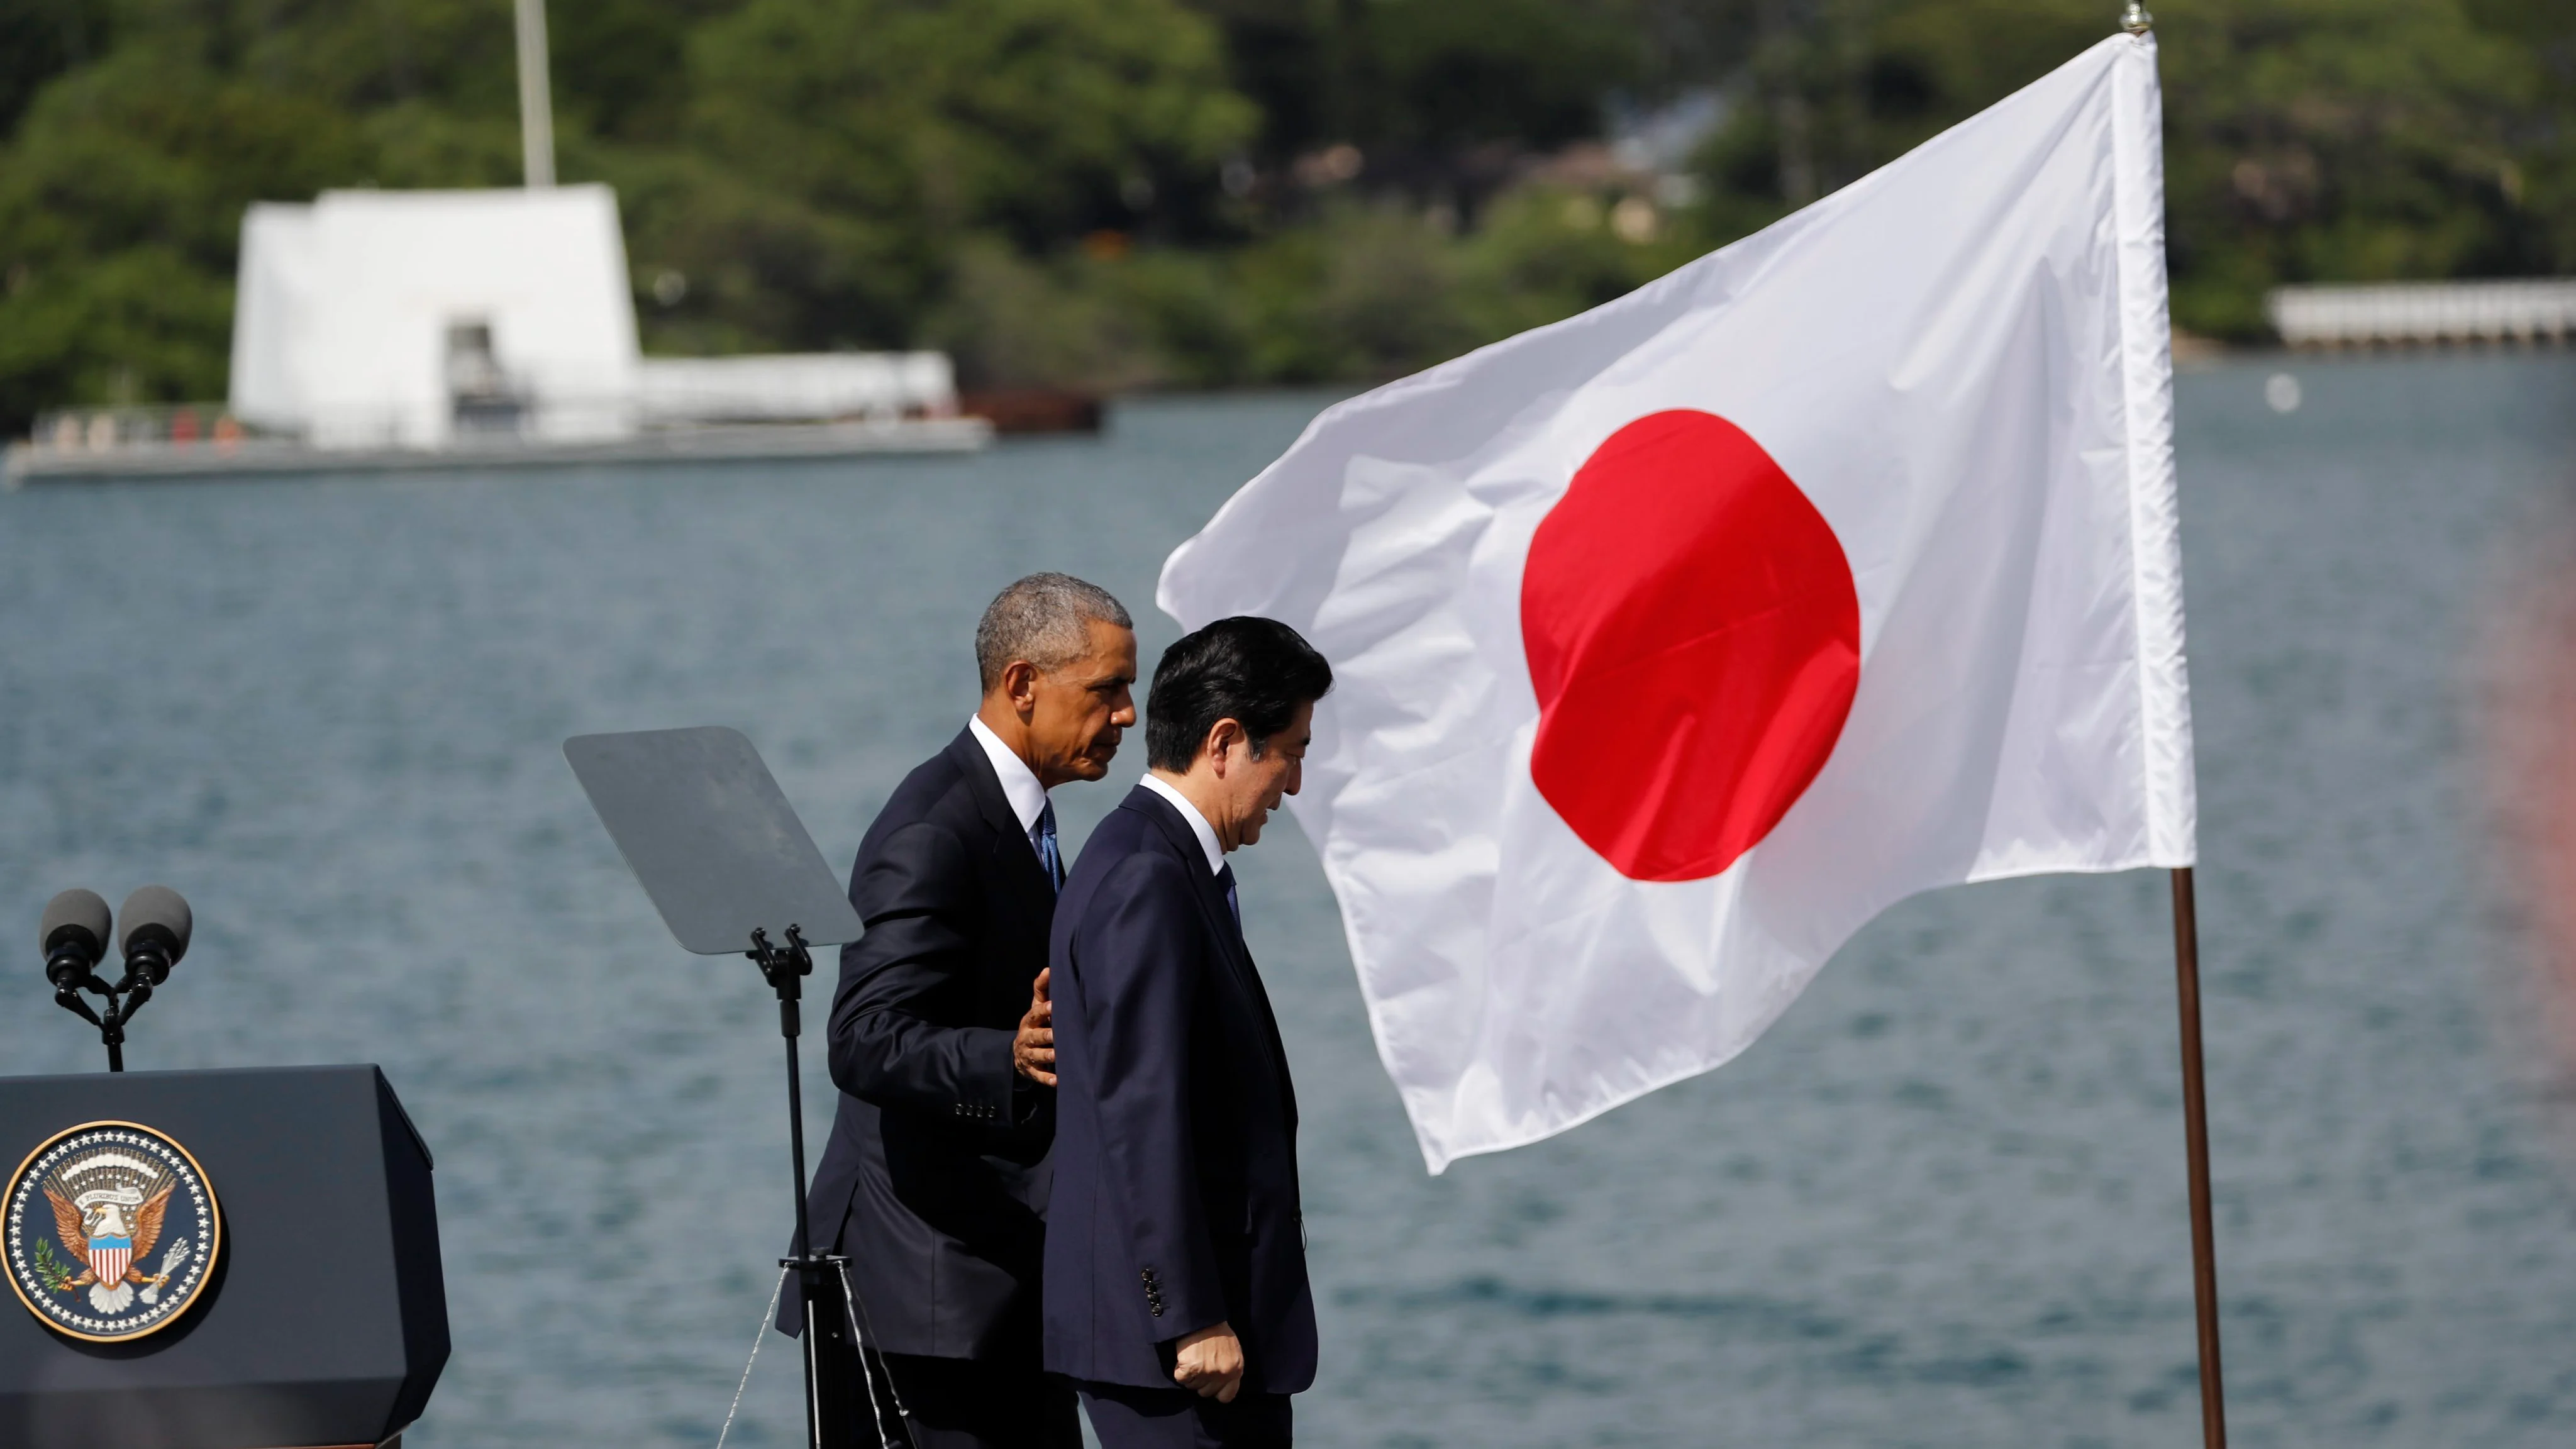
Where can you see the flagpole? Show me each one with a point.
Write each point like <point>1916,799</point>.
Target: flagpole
<point>2195,1088</point>
<point>536,102</point>
<point>2195,1121</point>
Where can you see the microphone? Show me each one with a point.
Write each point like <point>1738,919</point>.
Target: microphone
<point>74,936</point>
<point>155,935</point>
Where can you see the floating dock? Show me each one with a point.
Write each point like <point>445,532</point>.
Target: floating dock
<point>2425,314</point>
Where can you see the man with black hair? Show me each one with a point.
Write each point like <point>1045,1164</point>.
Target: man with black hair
<point>1175,1291</point>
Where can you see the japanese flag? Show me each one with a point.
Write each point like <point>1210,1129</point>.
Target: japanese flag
<point>1677,639</point>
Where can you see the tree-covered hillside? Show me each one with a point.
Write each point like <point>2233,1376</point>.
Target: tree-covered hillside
<point>1205,192</point>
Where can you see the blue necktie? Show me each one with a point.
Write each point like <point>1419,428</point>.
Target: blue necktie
<point>1225,878</point>
<point>1044,839</point>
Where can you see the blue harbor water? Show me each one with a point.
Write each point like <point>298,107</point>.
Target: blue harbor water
<point>1941,1204</point>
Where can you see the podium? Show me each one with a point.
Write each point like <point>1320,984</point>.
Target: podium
<point>316,1313</point>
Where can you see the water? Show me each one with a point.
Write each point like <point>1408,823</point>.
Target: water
<point>1941,1204</point>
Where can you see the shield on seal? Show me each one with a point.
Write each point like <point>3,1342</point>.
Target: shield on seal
<point>108,1257</point>
<point>135,1231</point>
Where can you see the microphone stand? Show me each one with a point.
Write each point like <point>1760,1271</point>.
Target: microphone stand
<point>785,967</point>
<point>124,999</point>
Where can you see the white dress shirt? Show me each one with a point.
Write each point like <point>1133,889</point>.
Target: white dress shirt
<point>1189,812</point>
<point>1019,783</point>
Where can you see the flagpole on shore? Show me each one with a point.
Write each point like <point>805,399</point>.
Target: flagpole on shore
<point>536,98</point>
<point>2195,1120</point>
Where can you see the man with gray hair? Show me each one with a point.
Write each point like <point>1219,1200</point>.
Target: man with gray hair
<point>937,1171</point>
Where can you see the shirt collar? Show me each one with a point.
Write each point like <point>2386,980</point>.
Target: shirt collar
<point>1019,783</point>
<point>1198,823</point>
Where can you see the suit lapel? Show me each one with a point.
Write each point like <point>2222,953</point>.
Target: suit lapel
<point>1184,842</point>
<point>1022,865</point>
<point>1220,918</point>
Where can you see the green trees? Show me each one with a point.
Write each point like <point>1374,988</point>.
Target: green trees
<point>120,205</point>
<point>1419,81</point>
<point>2341,139</point>
<point>2305,140</point>
<point>1201,192</point>
<point>865,142</point>
<point>795,173</point>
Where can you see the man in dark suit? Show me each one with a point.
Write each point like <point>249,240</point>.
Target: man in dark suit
<point>936,1173</point>
<point>1176,1294</point>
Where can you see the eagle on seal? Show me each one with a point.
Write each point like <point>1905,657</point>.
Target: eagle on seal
<point>110,1274</point>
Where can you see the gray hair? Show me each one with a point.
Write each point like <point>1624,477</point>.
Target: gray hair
<point>1044,619</point>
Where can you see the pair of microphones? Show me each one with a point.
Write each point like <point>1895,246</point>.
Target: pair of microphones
<point>151,932</point>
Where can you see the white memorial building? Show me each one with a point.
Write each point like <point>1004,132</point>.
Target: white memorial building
<point>428,319</point>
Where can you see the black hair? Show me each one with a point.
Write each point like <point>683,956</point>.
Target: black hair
<point>1251,670</point>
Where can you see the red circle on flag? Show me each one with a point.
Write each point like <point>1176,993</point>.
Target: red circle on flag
<point>1694,636</point>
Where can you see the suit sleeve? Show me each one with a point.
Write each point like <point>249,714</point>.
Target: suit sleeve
<point>918,899</point>
<point>1141,952</point>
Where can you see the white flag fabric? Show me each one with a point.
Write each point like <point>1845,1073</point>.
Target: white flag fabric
<point>1677,639</point>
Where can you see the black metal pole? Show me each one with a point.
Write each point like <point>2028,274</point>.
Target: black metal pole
<point>795,1124</point>
<point>782,967</point>
<point>806,1281</point>
<point>2195,1122</point>
<point>818,1315</point>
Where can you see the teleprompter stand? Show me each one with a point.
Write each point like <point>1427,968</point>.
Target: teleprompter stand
<point>711,837</point>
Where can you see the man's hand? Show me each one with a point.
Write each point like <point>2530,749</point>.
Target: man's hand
<point>1033,1050</point>
<point>1211,1363</point>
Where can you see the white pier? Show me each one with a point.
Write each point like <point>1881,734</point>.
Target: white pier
<point>2425,314</point>
<point>215,457</point>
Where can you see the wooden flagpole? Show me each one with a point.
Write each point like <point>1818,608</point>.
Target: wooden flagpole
<point>2195,1124</point>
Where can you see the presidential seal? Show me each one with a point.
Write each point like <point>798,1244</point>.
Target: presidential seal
<point>112,1231</point>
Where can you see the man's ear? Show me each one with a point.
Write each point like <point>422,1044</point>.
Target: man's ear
<point>1221,739</point>
<point>1020,685</point>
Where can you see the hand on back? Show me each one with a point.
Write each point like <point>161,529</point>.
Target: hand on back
<point>1033,1050</point>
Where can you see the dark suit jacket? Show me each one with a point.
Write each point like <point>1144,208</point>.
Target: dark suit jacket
<point>935,1176</point>
<point>1175,1205</point>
